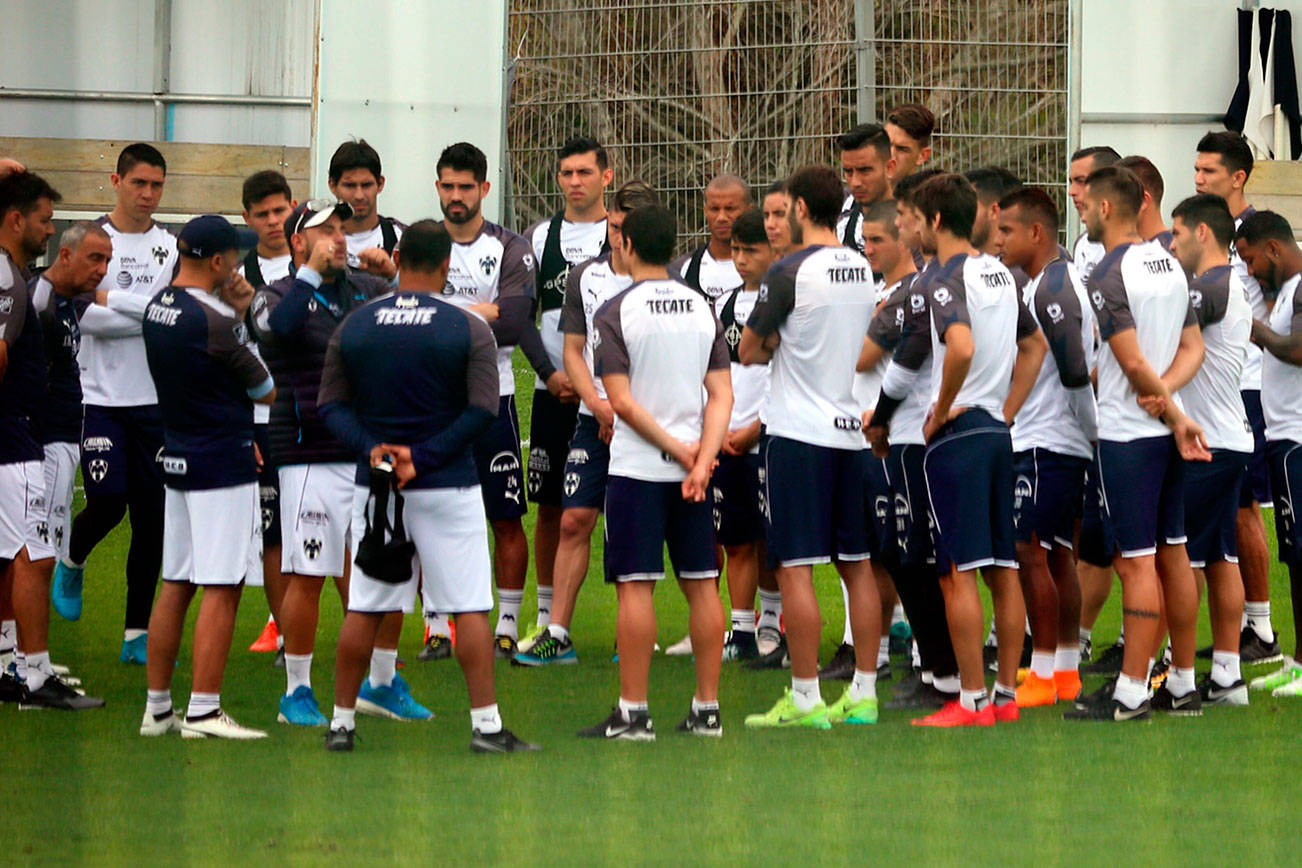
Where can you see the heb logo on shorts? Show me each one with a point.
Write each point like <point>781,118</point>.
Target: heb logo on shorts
<point>847,423</point>
<point>175,466</point>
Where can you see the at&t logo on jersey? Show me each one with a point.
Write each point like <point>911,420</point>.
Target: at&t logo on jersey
<point>123,280</point>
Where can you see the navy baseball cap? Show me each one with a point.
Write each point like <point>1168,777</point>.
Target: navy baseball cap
<point>212,234</point>
<point>314,212</point>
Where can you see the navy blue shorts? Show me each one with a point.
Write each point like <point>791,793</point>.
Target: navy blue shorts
<point>913,529</point>
<point>813,499</point>
<point>551,427</point>
<point>969,466</point>
<point>1211,507</point>
<point>1047,491</point>
<point>587,465</point>
<point>1095,545</point>
<point>643,518</point>
<point>1257,478</point>
<point>1286,478</point>
<point>120,449</point>
<point>1143,493</point>
<point>497,460</point>
<point>879,511</point>
<point>734,491</point>
<point>268,489</point>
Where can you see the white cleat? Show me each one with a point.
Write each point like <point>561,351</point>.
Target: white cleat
<point>218,725</point>
<point>1281,677</point>
<point>1293,688</point>
<point>681,648</point>
<point>152,727</point>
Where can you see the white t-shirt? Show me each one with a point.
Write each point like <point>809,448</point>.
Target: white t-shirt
<point>1212,398</point>
<point>1281,383</point>
<point>587,289</point>
<point>718,276</point>
<point>273,268</point>
<point>359,241</point>
<point>1085,255</point>
<point>1254,355</point>
<point>868,384</point>
<point>579,242</point>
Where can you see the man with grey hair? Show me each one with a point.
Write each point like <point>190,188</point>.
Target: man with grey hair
<point>709,267</point>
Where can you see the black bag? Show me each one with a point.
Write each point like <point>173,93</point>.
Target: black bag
<point>387,561</point>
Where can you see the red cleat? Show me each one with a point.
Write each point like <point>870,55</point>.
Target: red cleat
<point>1006,713</point>
<point>266,640</point>
<point>954,714</point>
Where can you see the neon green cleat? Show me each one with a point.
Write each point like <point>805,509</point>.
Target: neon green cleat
<point>1286,674</point>
<point>785,713</point>
<point>526,644</point>
<point>847,710</point>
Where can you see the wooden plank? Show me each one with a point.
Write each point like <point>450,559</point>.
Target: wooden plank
<point>1287,206</point>
<point>183,194</point>
<point>1274,177</point>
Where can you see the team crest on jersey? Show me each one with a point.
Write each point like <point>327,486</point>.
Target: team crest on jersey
<point>1054,311</point>
<point>596,338</point>
<point>917,302</point>
<point>899,317</point>
<point>312,548</point>
<point>159,254</point>
<point>6,304</point>
<point>487,264</point>
<point>1196,298</point>
<point>942,296</point>
<point>1097,298</point>
<point>577,456</point>
<point>43,531</point>
<point>527,259</point>
<point>539,460</point>
<point>98,469</point>
<point>534,482</point>
<point>763,294</point>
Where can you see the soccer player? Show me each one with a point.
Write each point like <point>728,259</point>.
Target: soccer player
<point>909,127</point>
<point>293,320</point>
<point>810,317</point>
<point>583,494</point>
<point>122,433</point>
<point>572,236</point>
<point>491,264</point>
<point>709,268</point>
<point>776,206</point>
<point>1053,440</point>
<point>414,380</point>
<point>1202,231</point>
<point>991,183</point>
<point>1151,227</point>
<point>1222,166</point>
<point>867,166</point>
<point>1265,242</point>
<point>1086,254</point>
<point>1146,325</point>
<point>355,177</point>
<point>207,378</point>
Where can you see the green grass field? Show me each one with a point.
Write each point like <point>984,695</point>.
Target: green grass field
<point>85,788</point>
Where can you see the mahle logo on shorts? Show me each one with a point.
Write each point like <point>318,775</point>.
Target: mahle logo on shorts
<point>504,462</point>
<point>1022,490</point>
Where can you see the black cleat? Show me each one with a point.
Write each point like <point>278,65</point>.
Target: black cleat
<point>883,672</point>
<point>279,660</point>
<point>1109,709</point>
<point>340,739</point>
<point>1204,653</point>
<point>1189,705</point>
<point>740,646</point>
<point>775,659</point>
<point>1108,663</point>
<point>705,722</point>
<point>437,647</point>
<point>616,728</point>
<point>1104,692</point>
<point>841,666</point>
<point>1214,694</point>
<point>502,741</point>
<point>11,689</point>
<point>924,698</point>
<point>55,694</point>
<point>503,647</point>
<point>1253,650</point>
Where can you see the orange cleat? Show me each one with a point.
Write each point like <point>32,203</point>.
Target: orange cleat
<point>266,640</point>
<point>1006,713</point>
<point>1036,691</point>
<point>954,714</point>
<point>1068,682</point>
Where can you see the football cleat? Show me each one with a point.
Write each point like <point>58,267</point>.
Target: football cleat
<point>1036,691</point>
<point>502,741</point>
<point>1214,694</point>
<point>133,650</point>
<point>1067,682</point>
<point>1293,688</point>
<point>740,645</point>
<point>681,648</point>
<point>777,658</point>
<point>152,725</point>
<point>300,708</point>
<point>1107,708</point>
<point>847,710</point>
<point>1109,662</point>
<point>548,650</point>
<point>1189,705</point>
<point>11,689</point>
<point>503,647</point>
<point>394,701</point>
<point>785,713</point>
<point>1253,649</point>
<point>841,666</point>
<point>1286,674</point>
<point>437,647</point>
<point>705,722</point>
<point>218,724</point>
<point>954,714</point>
<point>267,639</point>
<point>54,693</point>
<point>901,637</point>
<point>616,728</point>
<point>1006,711</point>
<point>65,590</point>
<point>340,740</point>
<point>767,638</point>
<point>278,662</point>
<point>527,643</point>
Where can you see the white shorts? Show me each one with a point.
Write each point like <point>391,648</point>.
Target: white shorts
<point>316,507</point>
<point>451,536</point>
<point>55,525</point>
<point>212,537</point>
<point>22,506</point>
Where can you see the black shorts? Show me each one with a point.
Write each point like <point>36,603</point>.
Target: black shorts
<point>879,511</point>
<point>1256,479</point>
<point>645,518</point>
<point>1095,545</point>
<point>268,489</point>
<point>969,467</point>
<point>497,459</point>
<point>1047,496</point>
<point>120,451</point>
<point>1211,507</point>
<point>587,465</point>
<point>1285,478</point>
<point>1143,493</point>
<point>813,499</point>
<point>734,491</point>
<point>551,427</point>
<point>913,529</point>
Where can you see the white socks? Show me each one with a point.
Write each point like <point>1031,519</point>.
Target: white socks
<point>743,620</point>
<point>158,702</point>
<point>847,636</point>
<point>1225,668</point>
<point>1130,692</point>
<point>38,669</point>
<point>508,613</point>
<point>1257,616</point>
<point>384,665</point>
<point>344,718</point>
<point>770,610</point>
<point>627,708</point>
<point>558,631</point>
<point>1065,659</point>
<point>864,684</point>
<point>973,700</point>
<point>1042,663</point>
<point>544,605</point>
<point>298,672</point>
<point>805,693</point>
<point>203,703</point>
<point>439,625</point>
<point>486,720</point>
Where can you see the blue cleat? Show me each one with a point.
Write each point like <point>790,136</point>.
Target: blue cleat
<point>133,650</point>
<point>546,651</point>
<point>394,702</point>
<point>300,708</point>
<point>65,590</point>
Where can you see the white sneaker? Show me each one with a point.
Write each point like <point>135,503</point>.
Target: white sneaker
<point>152,726</point>
<point>1293,688</point>
<point>1288,673</point>
<point>767,639</point>
<point>681,648</point>
<point>219,725</point>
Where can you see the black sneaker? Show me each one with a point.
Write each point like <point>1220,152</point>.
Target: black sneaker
<point>278,661</point>
<point>11,689</point>
<point>740,645</point>
<point>927,697</point>
<point>1109,662</point>
<point>502,741</point>
<point>1204,653</point>
<point>775,659</point>
<point>1103,693</point>
<point>841,666</point>
<point>1253,650</point>
<point>1214,694</point>
<point>705,722</point>
<point>55,694</point>
<point>340,739</point>
<point>616,728</point>
<point>503,647</point>
<point>883,672</point>
<point>1189,705</point>
<point>1109,709</point>
<point>909,684</point>
<point>437,647</point>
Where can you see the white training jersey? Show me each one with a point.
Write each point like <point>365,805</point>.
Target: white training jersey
<point>1056,298</point>
<point>868,384</point>
<point>1085,255</point>
<point>359,241</point>
<point>1140,287</point>
<point>1254,355</point>
<point>578,243</point>
<point>819,300</point>
<point>750,383</point>
<point>114,371</point>
<point>1213,398</point>
<point>663,336</point>
<point>978,291</point>
<point>718,276</point>
<point>1281,383</point>
<point>496,265</point>
<point>273,268</point>
<point>587,289</point>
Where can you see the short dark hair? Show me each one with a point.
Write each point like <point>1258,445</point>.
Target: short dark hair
<point>140,152</point>
<point>866,136</point>
<point>633,195</point>
<point>354,154</point>
<point>424,246</point>
<point>652,232</point>
<point>1232,148</point>
<point>260,185</point>
<point>950,197</point>
<point>905,187</point>
<point>915,119</point>
<point>1264,226</point>
<point>1118,185</point>
<point>749,228</point>
<point>463,157</point>
<point>21,191</point>
<point>1100,156</point>
<point>1148,175</point>
<point>584,145</point>
<point>820,187</point>
<point>992,183</point>
<point>1034,206</point>
<point>778,186</point>
<point>883,211</point>
<point>1210,209</point>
